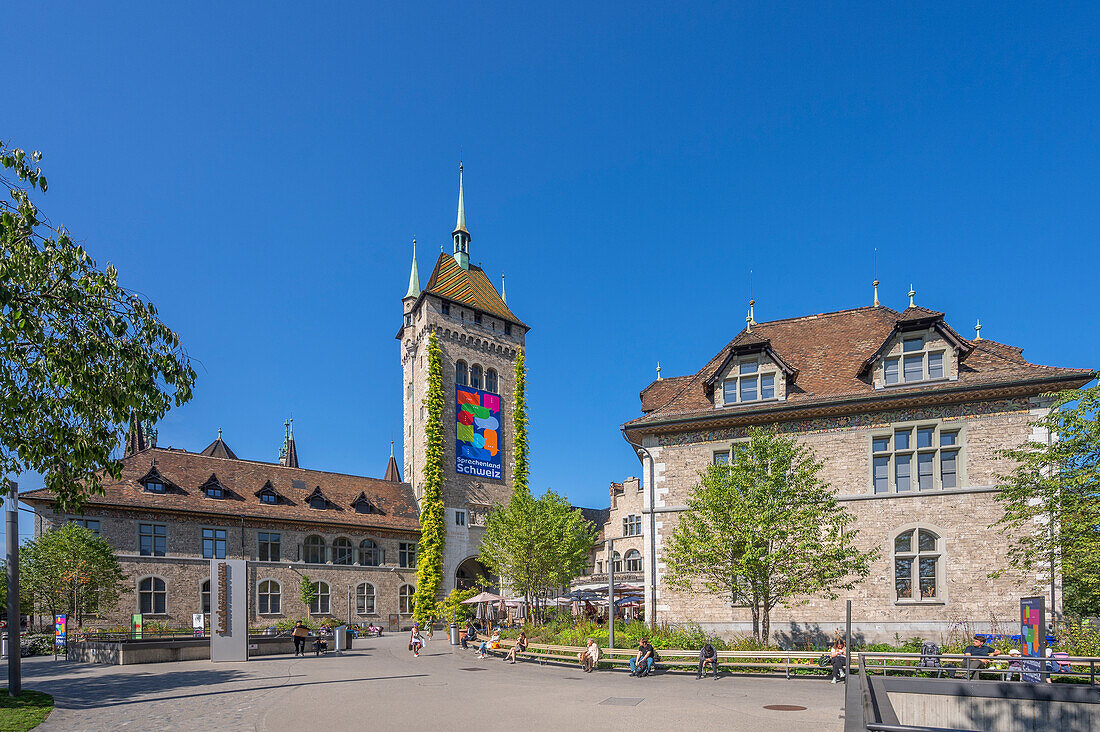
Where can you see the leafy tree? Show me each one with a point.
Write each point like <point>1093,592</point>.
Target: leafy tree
<point>766,530</point>
<point>452,610</point>
<point>307,590</point>
<point>433,528</point>
<point>536,544</point>
<point>71,570</point>
<point>1051,500</point>
<point>519,422</point>
<point>78,353</point>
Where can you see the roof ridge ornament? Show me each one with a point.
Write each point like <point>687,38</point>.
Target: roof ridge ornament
<point>658,371</point>
<point>503,294</point>
<point>978,330</point>
<point>912,292</point>
<point>752,314</point>
<point>875,283</point>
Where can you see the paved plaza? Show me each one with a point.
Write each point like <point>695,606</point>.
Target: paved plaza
<point>379,685</point>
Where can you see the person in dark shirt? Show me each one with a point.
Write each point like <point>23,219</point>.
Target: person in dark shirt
<point>707,654</point>
<point>978,649</point>
<point>642,663</point>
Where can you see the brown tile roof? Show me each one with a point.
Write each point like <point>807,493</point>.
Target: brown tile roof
<point>219,449</point>
<point>470,287</point>
<point>828,352</point>
<point>185,472</point>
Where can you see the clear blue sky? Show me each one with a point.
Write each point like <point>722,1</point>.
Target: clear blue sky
<point>259,171</point>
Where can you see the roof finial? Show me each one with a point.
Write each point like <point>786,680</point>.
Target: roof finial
<point>414,277</point>
<point>391,448</point>
<point>460,234</point>
<point>286,429</point>
<point>752,315</point>
<point>978,330</point>
<point>658,371</point>
<point>503,294</point>
<point>875,283</point>
<point>219,433</point>
<point>748,322</point>
<point>911,293</point>
<point>291,427</point>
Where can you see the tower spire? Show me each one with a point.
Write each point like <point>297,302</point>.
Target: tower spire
<point>460,234</point>
<point>414,277</point>
<point>503,294</point>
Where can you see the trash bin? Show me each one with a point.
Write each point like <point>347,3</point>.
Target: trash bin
<point>454,634</point>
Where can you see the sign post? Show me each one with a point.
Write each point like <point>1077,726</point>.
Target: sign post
<point>59,636</point>
<point>1033,637</point>
<point>228,610</point>
<point>135,626</point>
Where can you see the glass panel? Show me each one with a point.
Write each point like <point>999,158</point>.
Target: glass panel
<point>903,578</point>
<point>904,542</point>
<point>902,469</point>
<point>924,470</point>
<point>721,458</point>
<point>948,477</point>
<point>913,344</point>
<point>767,386</point>
<point>914,368</point>
<point>882,474</point>
<point>729,391</point>
<point>948,438</point>
<point>902,439</point>
<point>924,436</point>
<point>935,366</point>
<point>926,541</point>
<point>475,377</point>
<point>749,367</point>
<point>891,371</point>
<point>927,577</point>
<point>748,389</point>
<point>880,444</point>
<point>460,373</point>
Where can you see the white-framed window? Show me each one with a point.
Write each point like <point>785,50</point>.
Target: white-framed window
<point>269,497</point>
<point>491,381</point>
<point>916,458</point>
<point>917,566</point>
<point>313,550</point>
<point>406,554</point>
<point>917,362</point>
<point>462,373</point>
<point>321,604</point>
<point>749,381</point>
<point>152,596</point>
<point>633,560</point>
<point>370,554</point>
<point>599,566</point>
<point>460,518</point>
<point>213,543</point>
<point>215,491</point>
<point>152,540</point>
<point>204,596</point>
<point>154,486</point>
<point>91,525</point>
<point>475,376</point>
<point>269,546</point>
<point>405,601</point>
<point>632,525</point>
<point>343,552</point>
<point>364,599</point>
<point>270,596</point>
<point>617,561</point>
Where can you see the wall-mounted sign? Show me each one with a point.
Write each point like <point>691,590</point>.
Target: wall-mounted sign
<point>229,610</point>
<point>135,626</point>
<point>478,448</point>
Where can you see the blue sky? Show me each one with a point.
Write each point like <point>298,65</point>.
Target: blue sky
<point>258,171</point>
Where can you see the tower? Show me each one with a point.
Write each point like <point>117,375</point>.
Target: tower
<point>479,337</point>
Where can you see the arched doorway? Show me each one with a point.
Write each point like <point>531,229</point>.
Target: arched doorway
<point>470,571</point>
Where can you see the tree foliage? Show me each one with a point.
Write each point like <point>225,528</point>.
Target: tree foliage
<point>766,530</point>
<point>1051,500</point>
<point>307,590</point>
<point>78,353</point>
<point>519,427</point>
<point>536,544</point>
<point>433,528</point>
<point>71,570</point>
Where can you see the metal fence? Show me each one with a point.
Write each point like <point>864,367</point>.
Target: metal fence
<point>991,668</point>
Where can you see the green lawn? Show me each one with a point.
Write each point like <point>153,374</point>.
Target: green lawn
<point>24,712</point>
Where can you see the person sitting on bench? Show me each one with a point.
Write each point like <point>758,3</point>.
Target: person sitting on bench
<point>590,656</point>
<point>519,647</point>
<point>980,650</point>
<point>707,654</point>
<point>493,642</point>
<point>642,663</point>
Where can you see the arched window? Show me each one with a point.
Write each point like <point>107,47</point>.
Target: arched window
<point>313,550</point>
<point>633,561</point>
<point>370,554</point>
<point>152,596</point>
<point>461,374</point>
<point>475,376</point>
<point>364,599</point>
<point>343,552</point>
<point>204,596</point>
<point>271,597</point>
<point>320,604</point>
<point>618,561</point>
<point>917,569</point>
<point>405,602</point>
<point>491,380</point>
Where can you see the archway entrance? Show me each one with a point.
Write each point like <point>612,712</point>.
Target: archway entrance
<point>470,571</point>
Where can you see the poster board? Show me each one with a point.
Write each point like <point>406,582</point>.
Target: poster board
<point>135,626</point>
<point>478,446</point>
<point>59,631</point>
<point>1033,635</point>
<point>228,610</point>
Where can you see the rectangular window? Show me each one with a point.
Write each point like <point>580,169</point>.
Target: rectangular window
<point>91,525</point>
<point>924,436</point>
<point>749,367</point>
<point>767,386</point>
<point>270,546</point>
<point>914,368</point>
<point>507,329</point>
<point>446,308</point>
<point>912,345</point>
<point>903,578</point>
<point>722,458</point>
<point>213,543</point>
<point>729,391</point>
<point>902,468</point>
<point>915,458</point>
<point>935,365</point>
<point>947,468</point>
<point>902,439</point>
<point>460,518</point>
<point>748,389</point>
<point>152,540</point>
<point>477,318</point>
<point>927,577</point>
<point>882,474</point>
<point>924,470</point>
<point>748,384</point>
<point>632,525</point>
<point>891,370</point>
<point>406,555</point>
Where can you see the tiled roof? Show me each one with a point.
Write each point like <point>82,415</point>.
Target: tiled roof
<point>219,449</point>
<point>470,287</point>
<point>828,352</point>
<point>393,473</point>
<point>188,471</point>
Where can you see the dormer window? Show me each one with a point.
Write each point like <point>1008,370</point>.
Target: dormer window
<point>270,498</point>
<point>318,503</point>
<point>916,363</point>
<point>215,491</point>
<point>154,486</point>
<point>362,504</point>
<point>748,383</point>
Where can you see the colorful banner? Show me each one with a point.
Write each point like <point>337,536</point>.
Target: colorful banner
<point>135,626</point>
<point>1032,626</point>
<point>59,631</point>
<point>478,448</point>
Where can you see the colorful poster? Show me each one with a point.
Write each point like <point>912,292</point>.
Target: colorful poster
<point>198,624</point>
<point>478,448</point>
<point>135,626</point>
<point>59,631</point>
<point>1032,626</point>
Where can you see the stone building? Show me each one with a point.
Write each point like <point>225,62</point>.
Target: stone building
<point>622,523</point>
<point>908,417</point>
<point>172,511</point>
<point>479,337</point>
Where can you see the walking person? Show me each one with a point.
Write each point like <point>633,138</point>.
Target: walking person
<point>299,634</point>
<point>431,626</point>
<point>416,641</point>
<point>838,657</point>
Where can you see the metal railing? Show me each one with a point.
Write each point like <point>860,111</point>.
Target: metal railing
<point>992,668</point>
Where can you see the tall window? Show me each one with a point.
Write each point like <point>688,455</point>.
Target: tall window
<point>270,546</point>
<point>632,525</point>
<point>152,540</point>
<point>446,308</point>
<point>633,560</point>
<point>343,552</point>
<point>917,565</point>
<point>460,518</point>
<point>916,363</point>
<point>405,602</point>
<point>152,596</point>
<point>750,384</point>
<point>313,550</point>
<point>271,597</point>
<point>364,599</point>
<point>370,554</point>
<point>924,457</point>
<point>213,543</point>
<point>462,377</point>
<point>617,561</point>
<point>475,376</point>
<point>406,554</point>
<point>91,525</point>
<point>320,604</point>
<point>491,380</point>
<point>204,597</point>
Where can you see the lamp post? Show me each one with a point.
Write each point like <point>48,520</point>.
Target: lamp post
<point>610,593</point>
<point>15,681</point>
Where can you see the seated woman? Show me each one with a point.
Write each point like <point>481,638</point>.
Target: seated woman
<point>493,642</point>
<point>519,647</point>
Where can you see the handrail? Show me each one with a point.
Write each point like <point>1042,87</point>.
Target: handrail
<point>1003,664</point>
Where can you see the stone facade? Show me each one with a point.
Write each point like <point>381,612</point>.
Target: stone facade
<point>623,524</point>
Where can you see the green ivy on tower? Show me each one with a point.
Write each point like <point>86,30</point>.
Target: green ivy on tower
<point>433,530</point>
<point>519,427</point>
